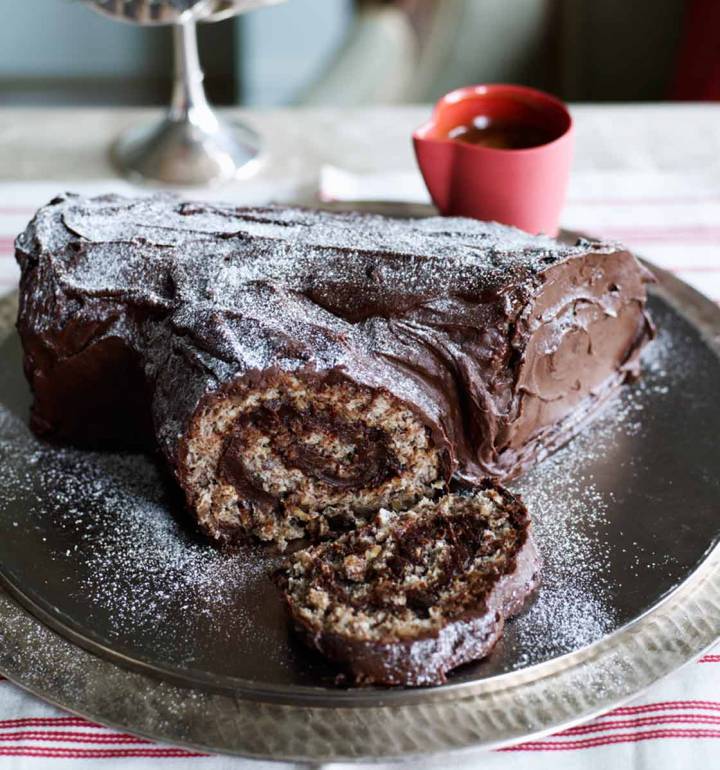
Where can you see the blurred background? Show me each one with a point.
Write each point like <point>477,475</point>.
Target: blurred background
<point>359,52</point>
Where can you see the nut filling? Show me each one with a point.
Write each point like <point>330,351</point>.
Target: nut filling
<point>413,594</point>
<point>320,445</point>
<point>302,458</point>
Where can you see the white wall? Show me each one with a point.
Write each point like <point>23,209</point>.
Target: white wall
<point>282,49</point>
<point>55,38</point>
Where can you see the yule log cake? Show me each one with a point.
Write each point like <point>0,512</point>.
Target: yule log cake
<point>301,370</point>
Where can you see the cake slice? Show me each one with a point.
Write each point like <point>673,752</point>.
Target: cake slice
<point>412,595</point>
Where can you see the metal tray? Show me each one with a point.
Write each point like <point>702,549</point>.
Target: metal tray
<point>156,632</point>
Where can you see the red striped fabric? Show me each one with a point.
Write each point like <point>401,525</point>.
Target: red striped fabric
<point>606,740</point>
<point>668,705</point>
<point>47,722</point>
<point>606,724</point>
<point>75,736</point>
<point>77,753</point>
<point>608,729</point>
<point>603,725</point>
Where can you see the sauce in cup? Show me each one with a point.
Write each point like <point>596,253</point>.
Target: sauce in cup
<point>498,152</point>
<point>501,134</point>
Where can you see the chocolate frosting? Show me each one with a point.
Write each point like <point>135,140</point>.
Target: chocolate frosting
<point>134,311</point>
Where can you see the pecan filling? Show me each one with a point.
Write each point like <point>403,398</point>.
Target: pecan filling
<point>342,455</point>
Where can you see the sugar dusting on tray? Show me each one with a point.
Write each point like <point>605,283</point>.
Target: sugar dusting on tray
<point>142,567</point>
<point>574,606</point>
<point>111,518</point>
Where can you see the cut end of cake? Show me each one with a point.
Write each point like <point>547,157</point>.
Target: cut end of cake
<point>412,595</point>
<point>303,456</point>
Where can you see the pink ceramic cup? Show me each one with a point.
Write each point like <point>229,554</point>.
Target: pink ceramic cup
<point>521,187</point>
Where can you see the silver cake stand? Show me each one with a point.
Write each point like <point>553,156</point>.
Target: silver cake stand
<point>191,145</point>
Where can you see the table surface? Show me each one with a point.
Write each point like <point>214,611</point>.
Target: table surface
<point>649,174</point>
<point>62,144</point>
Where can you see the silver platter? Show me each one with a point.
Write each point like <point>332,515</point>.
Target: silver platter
<point>155,632</point>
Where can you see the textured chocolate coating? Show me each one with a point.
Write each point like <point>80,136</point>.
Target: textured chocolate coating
<point>502,342</point>
<point>469,625</point>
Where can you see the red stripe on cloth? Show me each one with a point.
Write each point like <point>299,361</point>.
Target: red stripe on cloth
<point>658,719</point>
<point>47,722</point>
<point>605,740</point>
<point>67,736</point>
<point>61,753</point>
<point>667,705</point>
<point>7,243</point>
<point>710,658</point>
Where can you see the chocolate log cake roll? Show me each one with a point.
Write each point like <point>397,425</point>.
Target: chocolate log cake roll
<point>300,369</point>
<point>410,596</point>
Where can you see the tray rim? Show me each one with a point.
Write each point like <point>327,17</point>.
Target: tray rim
<point>616,668</point>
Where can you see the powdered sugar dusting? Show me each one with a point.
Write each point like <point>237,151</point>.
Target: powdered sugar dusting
<point>200,294</point>
<point>109,529</point>
<point>109,516</point>
<point>576,603</point>
<point>209,253</point>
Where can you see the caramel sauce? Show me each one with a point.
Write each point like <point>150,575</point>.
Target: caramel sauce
<point>501,135</point>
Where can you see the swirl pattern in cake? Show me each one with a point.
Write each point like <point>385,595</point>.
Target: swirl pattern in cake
<point>410,596</point>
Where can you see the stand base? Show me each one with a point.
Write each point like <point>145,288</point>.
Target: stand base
<point>183,153</point>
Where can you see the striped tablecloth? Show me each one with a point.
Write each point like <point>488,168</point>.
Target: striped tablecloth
<point>673,220</point>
